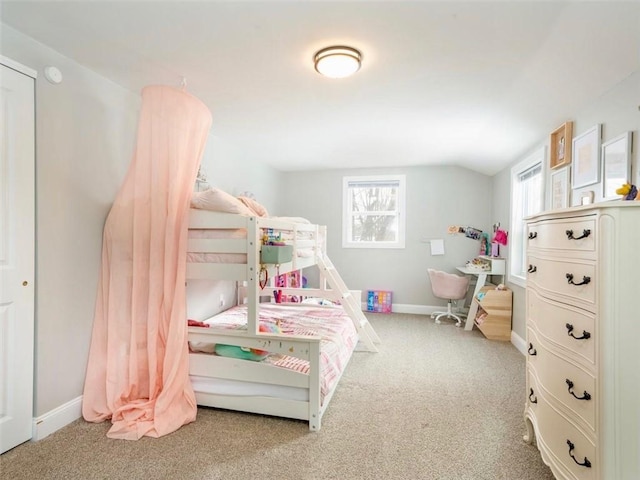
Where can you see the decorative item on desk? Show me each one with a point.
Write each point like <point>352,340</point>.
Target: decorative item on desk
<point>501,237</point>
<point>479,265</point>
<point>485,249</point>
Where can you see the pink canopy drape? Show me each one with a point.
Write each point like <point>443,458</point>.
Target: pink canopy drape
<point>138,369</point>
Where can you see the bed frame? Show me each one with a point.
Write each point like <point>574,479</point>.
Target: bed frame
<point>332,287</point>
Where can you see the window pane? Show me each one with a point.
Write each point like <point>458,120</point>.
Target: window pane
<point>527,199</point>
<point>374,199</point>
<point>373,211</point>
<point>530,188</point>
<point>374,228</point>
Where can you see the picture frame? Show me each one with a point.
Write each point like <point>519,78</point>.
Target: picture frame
<point>585,165</point>
<point>560,143</point>
<point>560,188</point>
<point>586,198</point>
<point>616,165</point>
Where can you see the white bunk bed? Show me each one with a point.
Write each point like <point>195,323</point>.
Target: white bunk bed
<point>225,246</point>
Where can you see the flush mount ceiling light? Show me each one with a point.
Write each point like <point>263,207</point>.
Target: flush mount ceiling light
<point>337,62</point>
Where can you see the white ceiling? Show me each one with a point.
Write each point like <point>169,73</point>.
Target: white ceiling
<point>476,84</point>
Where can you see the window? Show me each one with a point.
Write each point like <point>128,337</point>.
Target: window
<point>373,212</point>
<point>527,197</point>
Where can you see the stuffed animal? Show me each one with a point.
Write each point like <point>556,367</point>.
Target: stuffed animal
<point>630,192</point>
<point>244,353</point>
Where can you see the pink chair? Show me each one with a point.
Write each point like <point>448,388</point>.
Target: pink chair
<point>451,287</point>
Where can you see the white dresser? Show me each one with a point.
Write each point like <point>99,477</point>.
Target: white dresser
<point>583,339</point>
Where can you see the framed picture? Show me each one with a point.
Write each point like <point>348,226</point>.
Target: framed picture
<point>585,167</point>
<point>616,164</point>
<point>586,198</point>
<point>560,145</point>
<point>560,188</point>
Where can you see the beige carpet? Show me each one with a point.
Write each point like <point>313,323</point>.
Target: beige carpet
<point>435,403</point>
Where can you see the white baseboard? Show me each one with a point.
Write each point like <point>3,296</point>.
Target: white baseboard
<point>57,418</point>
<point>516,339</point>
<point>409,308</point>
<point>519,343</point>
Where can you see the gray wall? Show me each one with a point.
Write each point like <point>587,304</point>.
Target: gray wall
<point>436,198</point>
<point>618,112</point>
<point>85,130</point>
<point>85,134</point>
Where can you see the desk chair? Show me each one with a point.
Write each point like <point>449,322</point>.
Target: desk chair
<point>450,287</point>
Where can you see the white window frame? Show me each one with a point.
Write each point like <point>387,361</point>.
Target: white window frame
<point>516,273</point>
<point>347,211</point>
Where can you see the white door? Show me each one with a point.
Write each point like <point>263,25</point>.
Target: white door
<point>17,215</point>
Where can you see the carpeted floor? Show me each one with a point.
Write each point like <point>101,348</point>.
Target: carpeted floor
<point>436,402</point>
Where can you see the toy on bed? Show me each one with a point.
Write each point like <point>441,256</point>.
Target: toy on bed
<point>243,353</point>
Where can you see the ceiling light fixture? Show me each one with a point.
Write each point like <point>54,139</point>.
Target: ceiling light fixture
<point>337,62</point>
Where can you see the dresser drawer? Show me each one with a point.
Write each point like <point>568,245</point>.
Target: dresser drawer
<point>568,280</point>
<point>568,384</point>
<point>564,234</point>
<point>555,431</point>
<point>570,328</point>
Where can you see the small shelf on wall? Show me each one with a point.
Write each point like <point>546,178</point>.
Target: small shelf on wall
<point>560,145</point>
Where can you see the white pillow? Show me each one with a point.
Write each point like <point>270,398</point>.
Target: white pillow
<point>219,201</point>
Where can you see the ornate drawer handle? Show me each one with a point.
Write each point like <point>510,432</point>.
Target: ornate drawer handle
<point>586,396</point>
<point>534,399</point>
<point>585,233</point>
<point>585,279</point>
<point>531,350</point>
<point>532,235</point>
<point>584,336</point>
<point>586,462</point>
<point>532,269</point>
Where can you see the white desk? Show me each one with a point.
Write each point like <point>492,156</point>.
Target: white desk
<point>497,268</point>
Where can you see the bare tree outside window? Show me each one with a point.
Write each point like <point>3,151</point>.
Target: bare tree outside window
<point>373,212</point>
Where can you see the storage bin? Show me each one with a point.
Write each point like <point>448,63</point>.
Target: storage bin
<point>276,254</point>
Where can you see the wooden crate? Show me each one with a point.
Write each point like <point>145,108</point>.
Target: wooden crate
<point>497,305</point>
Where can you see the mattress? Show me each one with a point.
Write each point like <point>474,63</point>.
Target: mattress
<point>239,233</point>
<point>338,339</point>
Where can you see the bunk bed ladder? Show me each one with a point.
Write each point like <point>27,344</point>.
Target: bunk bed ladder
<point>350,304</point>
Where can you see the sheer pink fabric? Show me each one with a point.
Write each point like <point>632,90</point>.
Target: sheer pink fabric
<point>138,370</point>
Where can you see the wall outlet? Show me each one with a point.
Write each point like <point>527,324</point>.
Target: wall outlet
<point>222,300</point>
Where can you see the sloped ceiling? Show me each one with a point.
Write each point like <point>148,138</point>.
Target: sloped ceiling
<point>476,84</point>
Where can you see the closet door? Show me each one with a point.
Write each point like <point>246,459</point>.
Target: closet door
<point>17,214</point>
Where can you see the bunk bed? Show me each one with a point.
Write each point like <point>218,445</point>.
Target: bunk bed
<point>308,345</point>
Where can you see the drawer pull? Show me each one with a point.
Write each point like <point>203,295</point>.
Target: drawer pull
<point>532,351</point>
<point>585,279</point>
<point>532,269</point>
<point>534,399</point>
<point>584,336</point>
<point>532,235</point>
<point>585,233</point>
<point>586,462</point>
<point>586,396</point>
